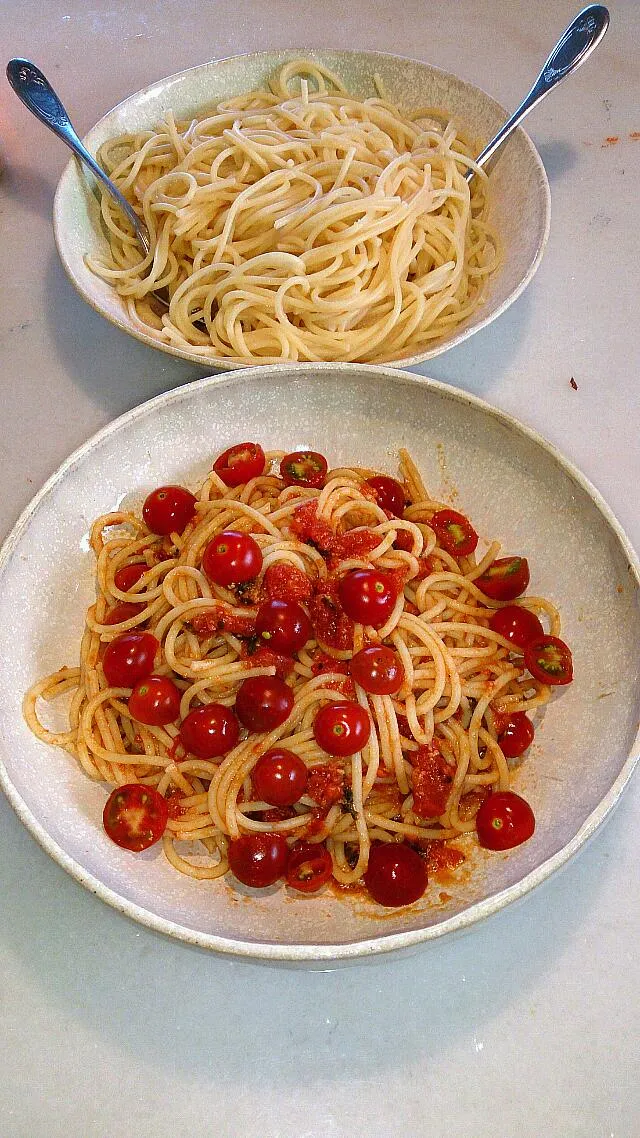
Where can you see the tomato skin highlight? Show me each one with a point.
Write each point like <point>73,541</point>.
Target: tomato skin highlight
<point>129,575</point>
<point>209,731</point>
<point>304,468</point>
<point>378,670</point>
<point>240,463</point>
<point>368,596</point>
<point>128,658</point>
<point>279,777</point>
<point>396,875</point>
<point>390,494</point>
<point>455,532</point>
<point>549,660</point>
<point>258,859</point>
<point>516,735</point>
<point>516,624</point>
<point>342,728</point>
<point>135,816</point>
<point>155,700</point>
<point>504,820</point>
<point>168,509</point>
<point>231,558</point>
<point>263,703</point>
<point>505,579</point>
<point>309,867</point>
<point>284,626</point>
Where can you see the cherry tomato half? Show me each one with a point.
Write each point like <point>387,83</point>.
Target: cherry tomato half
<point>168,509</point>
<point>128,658</point>
<point>516,734</point>
<point>396,874</point>
<point>505,578</point>
<point>129,575</point>
<point>304,468</point>
<point>455,532</point>
<point>516,624</point>
<point>504,820</point>
<point>279,777</point>
<point>231,558</point>
<point>309,867</point>
<point>390,494</point>
<point>122,611</point>
<point>135,816</point>
<point>377,669</point>
<point>263,702</point>
<point>342,728</point>
<point>155,700</point>
<point>258,859</point>
<point>549,660</point>
<point>368,596</point>
<point>209,731</point>
<point>240,463</point>
<point>284,626</point>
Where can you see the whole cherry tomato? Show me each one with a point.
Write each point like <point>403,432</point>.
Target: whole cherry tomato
<point>309,867</point>
<point>129,575</point>
<point>304,468</point>
<point>240,463</point>
<point>396,874</point>
<point>516,734</point>
<point>377,669</point>
<point>342,728</point>
<point>209,731</point>
<point>505,578</point>
<point>279,777</point>
<point>155,700</point>
<point>128,658</point>
<point>135,816</point>
<point>231,558</point>
<point>284,626</point>
<point>263,703</point>
<point>549,660</point>
<point>504,820</point>
<point>123,611</point>
<point>390,494</point>
<point>168,509</point>
<point>368,596</point>
<point>516,624</point>
<point>258,860</point>
<point>455,532</point>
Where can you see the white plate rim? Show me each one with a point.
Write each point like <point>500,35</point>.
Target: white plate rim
<point>223,363</point>
<point>304,953</point>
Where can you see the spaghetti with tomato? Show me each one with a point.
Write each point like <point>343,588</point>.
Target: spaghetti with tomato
<point>308,673</point>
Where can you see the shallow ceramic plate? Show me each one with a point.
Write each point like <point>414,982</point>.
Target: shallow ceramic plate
<point>513,486</point>
<point>519,187</point>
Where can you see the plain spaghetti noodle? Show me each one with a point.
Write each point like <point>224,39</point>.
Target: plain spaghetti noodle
<point>300,223</point>
<point>295,540</point>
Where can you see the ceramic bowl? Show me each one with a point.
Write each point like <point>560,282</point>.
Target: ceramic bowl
<point>519,189</point>
<point>511,483</point>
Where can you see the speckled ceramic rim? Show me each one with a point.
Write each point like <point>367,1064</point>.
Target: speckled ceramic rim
<point>230,365</point>
<point>307,953</point>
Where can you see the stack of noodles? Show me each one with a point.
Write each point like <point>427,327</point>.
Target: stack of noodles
<point>458,673</point>
<point>301,226</point>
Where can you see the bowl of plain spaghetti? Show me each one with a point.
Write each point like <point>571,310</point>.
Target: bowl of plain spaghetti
<point>305,207</point>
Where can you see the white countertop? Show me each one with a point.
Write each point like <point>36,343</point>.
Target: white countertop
<point>528,1025</point>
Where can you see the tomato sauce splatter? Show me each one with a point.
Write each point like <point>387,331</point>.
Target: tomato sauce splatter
<point>326,784</point>
<point>430,781</point>
<point>222,619</point>
<point>284,582</point>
